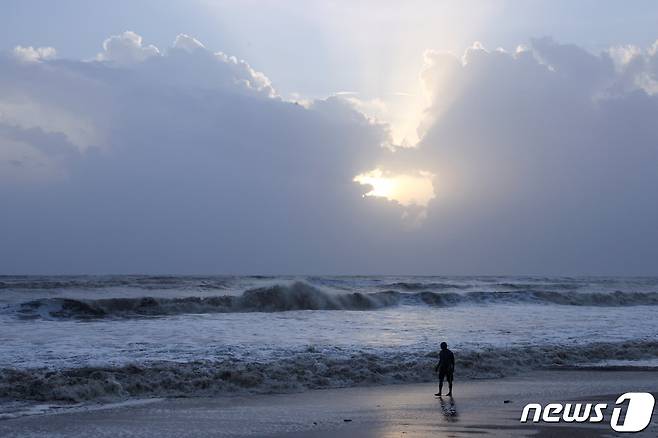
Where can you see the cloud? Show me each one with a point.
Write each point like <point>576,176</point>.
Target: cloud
<point>187,43</point>
<point>638,67</point>
<point>126,48</point>
<point>541,160</point>
<point>32,54</point>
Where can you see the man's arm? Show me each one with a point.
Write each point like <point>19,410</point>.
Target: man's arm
<point>438,365</point>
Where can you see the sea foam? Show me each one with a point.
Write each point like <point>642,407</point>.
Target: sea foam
<point>300,371</point>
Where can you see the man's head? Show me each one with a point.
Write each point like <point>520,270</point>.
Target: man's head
<point>444,346</point>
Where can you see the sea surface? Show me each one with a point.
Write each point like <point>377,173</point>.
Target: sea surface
<point>84,339</point>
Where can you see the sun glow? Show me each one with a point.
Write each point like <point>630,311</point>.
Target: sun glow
<point>408,189</point>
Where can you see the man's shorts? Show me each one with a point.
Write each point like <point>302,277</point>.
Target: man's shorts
<point>447,374</point>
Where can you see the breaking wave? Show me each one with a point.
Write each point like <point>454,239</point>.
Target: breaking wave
<point>299,371</point>
<point>303,296</point>
<point>276,298</point>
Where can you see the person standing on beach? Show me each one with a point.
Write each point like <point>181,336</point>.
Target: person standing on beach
<point>445,368</point>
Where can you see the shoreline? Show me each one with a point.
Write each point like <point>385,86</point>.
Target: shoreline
<point>309,369</point>
<point>489,407</point>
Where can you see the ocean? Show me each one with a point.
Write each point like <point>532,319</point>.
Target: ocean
<point>82,339</point>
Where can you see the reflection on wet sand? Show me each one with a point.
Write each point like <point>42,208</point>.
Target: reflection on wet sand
<point>449,408</point>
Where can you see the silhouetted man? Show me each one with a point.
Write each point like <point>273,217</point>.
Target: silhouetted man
<point>445,368</point>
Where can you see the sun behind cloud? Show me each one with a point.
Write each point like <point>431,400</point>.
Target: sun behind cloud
<point>407,189</point>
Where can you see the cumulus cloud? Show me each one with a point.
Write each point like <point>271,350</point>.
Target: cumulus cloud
<point>34,54</point>
<point>187,43</point>
<point>540,160</point>
<point>187,63</point>
<point>637,66</point>
<point>126,48</point>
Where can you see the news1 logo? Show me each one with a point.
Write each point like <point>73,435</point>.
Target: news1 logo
<point>637,414</point>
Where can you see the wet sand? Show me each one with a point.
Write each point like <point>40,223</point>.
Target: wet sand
<point>488,408</point>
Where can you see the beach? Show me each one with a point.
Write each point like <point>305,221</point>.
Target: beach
<point>488,407</point>
<point>174,356</point>
<point>95,341</point>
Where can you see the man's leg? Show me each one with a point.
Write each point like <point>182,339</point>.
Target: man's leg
<point>449,384</point>
<point>440,384</point>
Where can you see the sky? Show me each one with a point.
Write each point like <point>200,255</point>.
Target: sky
<point>319,137</point>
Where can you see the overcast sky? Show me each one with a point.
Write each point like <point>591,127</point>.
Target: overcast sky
<point>329,137</point>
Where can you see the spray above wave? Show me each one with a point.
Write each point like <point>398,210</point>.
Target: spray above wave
<point>299,371</point>
<point>92,282</point>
